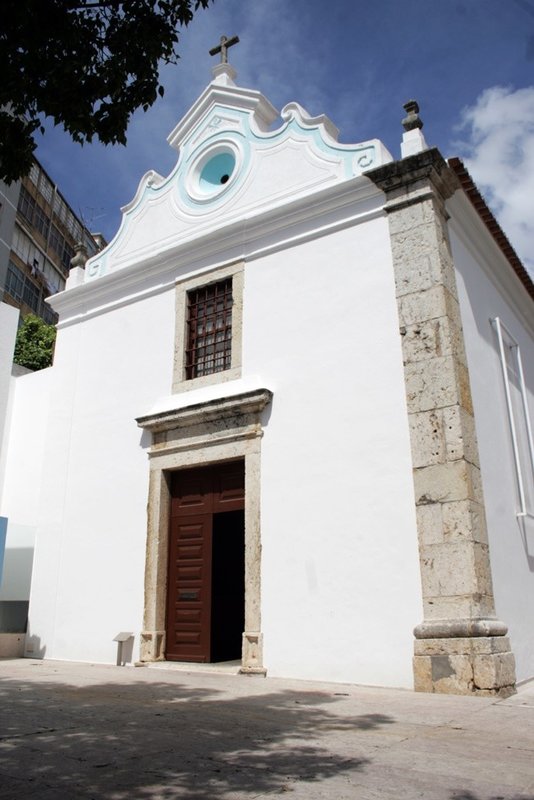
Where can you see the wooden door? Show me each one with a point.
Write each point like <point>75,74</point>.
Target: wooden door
<point>189,609</point>
<point>197,494</point>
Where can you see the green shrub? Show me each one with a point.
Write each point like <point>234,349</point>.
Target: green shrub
<point>34,347</point>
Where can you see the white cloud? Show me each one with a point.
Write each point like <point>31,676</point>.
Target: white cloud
<point>499,154</point>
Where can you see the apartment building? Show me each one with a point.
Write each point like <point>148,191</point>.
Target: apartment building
<point>38,234</point>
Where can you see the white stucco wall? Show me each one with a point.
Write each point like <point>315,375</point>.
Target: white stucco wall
<point>340,574</point>
<point>340,577</point>
<point>8,333</point>
<point>24,459</point>
<point>89,567</point>
<point>8,330</point>
<point>483,298</point>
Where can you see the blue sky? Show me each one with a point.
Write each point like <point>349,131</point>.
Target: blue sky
<point>469,63</point>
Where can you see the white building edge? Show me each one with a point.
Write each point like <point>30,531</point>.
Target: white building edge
<point>374,398</point>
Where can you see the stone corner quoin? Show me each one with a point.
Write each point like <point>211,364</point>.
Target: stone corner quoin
<point>460,646</point>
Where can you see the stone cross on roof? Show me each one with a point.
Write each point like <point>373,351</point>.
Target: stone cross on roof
<point>222,48</point>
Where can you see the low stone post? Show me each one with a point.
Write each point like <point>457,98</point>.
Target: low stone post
<point>461,647</point>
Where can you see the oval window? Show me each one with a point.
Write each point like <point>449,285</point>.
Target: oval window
<point>216,172</point>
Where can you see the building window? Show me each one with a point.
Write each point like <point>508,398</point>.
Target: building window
<point>34,174</point>
<point>15,282</point>
<point>22,289</point>
<point>26,204</point>
<point>56,241</point>
<point>518,418</point>
<point>46,188</point>
<point>31,295</point>
<point>67,256</point>
<point>209,313</point>
<point>49,316</point>
<point>41,221</point>
<point>209,329</point>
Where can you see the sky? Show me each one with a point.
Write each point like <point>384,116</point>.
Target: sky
<point>468,63</point>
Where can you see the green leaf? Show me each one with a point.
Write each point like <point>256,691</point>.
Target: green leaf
<point>86,66</point>
<point>34,347</point>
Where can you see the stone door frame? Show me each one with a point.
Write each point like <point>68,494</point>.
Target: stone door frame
<point>197,435</point>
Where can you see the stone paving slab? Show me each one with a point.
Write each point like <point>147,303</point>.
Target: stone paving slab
<point>119,733</point>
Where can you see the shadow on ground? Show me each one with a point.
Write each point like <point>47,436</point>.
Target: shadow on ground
<point>145,739</point>
<point>472,796</point>
<point>160,740</point>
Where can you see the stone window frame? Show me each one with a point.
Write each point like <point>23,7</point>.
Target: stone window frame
<point>235,271</point>
<point>209,329</point>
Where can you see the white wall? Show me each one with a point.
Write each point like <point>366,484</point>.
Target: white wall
<point>511,541</point>
<point>340,572</point>
<point>19,500</point>
<point>8,333</point>
<point>8,330</point>
<point>340,576</point>
<point>88,580</point>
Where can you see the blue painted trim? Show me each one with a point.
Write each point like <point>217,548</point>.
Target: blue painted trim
<point>354,159</point>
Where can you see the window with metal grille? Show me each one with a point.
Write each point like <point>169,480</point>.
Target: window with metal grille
<point>209,329</point>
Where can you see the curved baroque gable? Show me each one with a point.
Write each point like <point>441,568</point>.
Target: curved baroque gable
<point>232,165</point>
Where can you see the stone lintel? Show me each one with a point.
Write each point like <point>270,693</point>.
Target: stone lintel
<point>252,402</point>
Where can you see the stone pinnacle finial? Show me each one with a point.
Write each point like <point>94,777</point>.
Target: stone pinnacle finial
<point>80,257</point>
<point>413,140</point>
<point>412,119</point>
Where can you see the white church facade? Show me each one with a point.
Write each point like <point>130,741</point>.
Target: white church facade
<point>289,418</point>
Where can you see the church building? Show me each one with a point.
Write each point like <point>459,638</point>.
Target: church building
<point>289,420</point>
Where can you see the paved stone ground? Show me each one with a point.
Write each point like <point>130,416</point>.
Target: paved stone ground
<point>91,731</point>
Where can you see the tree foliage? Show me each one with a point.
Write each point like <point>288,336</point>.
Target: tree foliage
<point>34,347</point>
<point>87,64</point>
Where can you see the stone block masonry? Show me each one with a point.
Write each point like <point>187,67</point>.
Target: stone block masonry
<point>461,647</point>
